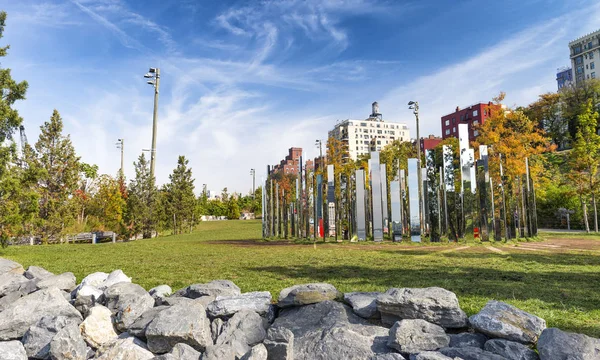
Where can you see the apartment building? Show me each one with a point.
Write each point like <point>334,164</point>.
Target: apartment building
<point>585,52</point>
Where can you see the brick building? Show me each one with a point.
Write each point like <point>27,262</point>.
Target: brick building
<point>472,115</point>
<point>289,165</point>
<point>430,142</point>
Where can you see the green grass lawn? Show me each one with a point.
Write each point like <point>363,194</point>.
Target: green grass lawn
<point>563,288</point>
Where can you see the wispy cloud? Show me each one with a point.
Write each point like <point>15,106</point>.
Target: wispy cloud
<point>47,14</point>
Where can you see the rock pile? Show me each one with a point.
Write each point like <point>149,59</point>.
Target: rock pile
<point>106,316</point>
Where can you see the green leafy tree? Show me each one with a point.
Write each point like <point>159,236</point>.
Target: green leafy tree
<point>585,159</point>
<point>233,210</point>
<point>59,167</point>
<point>108,204</point>
<point>88,175</point>
<point>180,197</point>
<point>547,114</point>
<point>142,200</point>
<point>574,100</point>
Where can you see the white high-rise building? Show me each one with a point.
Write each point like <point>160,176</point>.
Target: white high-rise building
<point>371,134</point>
<point>585,55</point>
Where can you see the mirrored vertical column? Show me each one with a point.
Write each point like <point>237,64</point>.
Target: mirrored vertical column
<point>319,206</point>
<point>450,197</point>
<point>331,200</point>
<point>384,199</point>
<point>403,212</point>
<point>432,197</point>
<point>361,226</point>
<point>413,202</point>
<point>376,197</point>
<point>395,204</point>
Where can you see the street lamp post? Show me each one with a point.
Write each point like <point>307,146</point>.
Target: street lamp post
<point>154,76</point>
<point>121,145</point>
<point>414,105</point>
<point>319,144</point>
<point>253,173</point>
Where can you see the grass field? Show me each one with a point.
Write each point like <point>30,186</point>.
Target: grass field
<point>558,279</point>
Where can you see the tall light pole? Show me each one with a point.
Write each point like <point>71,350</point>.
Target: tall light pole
<point>121,145</point>
<point>319,144</point>
<point>414,105</point>
<point>154,76</point>
<point>253,173</point>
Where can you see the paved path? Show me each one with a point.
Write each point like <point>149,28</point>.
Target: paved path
<point>455,249</point>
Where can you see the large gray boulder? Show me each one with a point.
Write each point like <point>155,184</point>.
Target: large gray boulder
<point>210,290</point>
<point>36,272</point>
<point>429,355</point>
<point>467,339</point>
<point>127,302</point>
<point>94,279</point>
<point>183,323</point>
<point>307,294</point>
<point>501,320</point>
<point>159,293</point>
<point>38,337</point>
<point>225,306</point>
<point>433,304</point>
<point>555,344</point>
<point>115,277</point>
<point>68,344</point>
<point>5,301</point>
<point>12,350</point>
<point>216,328</point>
<point>388,356</point>
<point>279,344</point>
<point>331,330</point>
<point>511,350</point>
<point>65,281</point>
<point>470,353</point>
<point>180,352</point>
<point>11,283</point>
<point>364,304</point>
<point>124,348</point>
<point>138,328</point>
<point>10,267</point>
<point>244,330</point>
<point>97,328</point>
<point>258,352</point>
<point>86,297</point>
<point>219,352</point>
<point>16,319</point>
<point>415,335</point>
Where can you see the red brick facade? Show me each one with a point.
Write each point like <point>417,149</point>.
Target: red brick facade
<point>430,142</point>
<point>472,115</point>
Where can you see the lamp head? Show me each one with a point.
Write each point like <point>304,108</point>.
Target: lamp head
<point>148,76</point>
<point>150,82</point>
<point>411,103</point>
<point>152,70</point>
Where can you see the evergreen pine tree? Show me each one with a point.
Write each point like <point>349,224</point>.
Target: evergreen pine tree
<point>180,197</point>
<point>141,200</point>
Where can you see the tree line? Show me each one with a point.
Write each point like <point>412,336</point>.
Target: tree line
<point>46,190</point>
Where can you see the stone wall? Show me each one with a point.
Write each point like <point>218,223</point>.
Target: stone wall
<point>106,316</point>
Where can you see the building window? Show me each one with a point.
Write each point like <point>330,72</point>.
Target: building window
<point>591,55</point>
<point>447,122</point>
<point>378,142</point>
<point>475,133</point>
<point>590,45</point>
<point>447,131</point>
<point>592,66</point>
<point>475,112</point>
<point>462,117</point>
<point>357,148</point>
<point>475,122</point>
<point>454,129</point>
<point>363,124</point>
<point>593,75</point>
<point>578,60</point>
<point>379,131</point>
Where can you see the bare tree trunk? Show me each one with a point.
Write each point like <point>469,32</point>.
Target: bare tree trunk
<point>595,212</point>
<point>585,216</point>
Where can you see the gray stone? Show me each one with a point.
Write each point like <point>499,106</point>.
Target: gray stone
<point>94,279</point>
<point>258,352</point>
<point>225,306</point>
<point>12,350</point>
<point>510,350</point>
<point>182,323</point>
<point>127,302</point>
<point>388,356</point>
<point>501,320</point>
<point>216,328</point>
<point>244,330</point>
<point>416,335</point>
<point>467,339</point>
<point>65,281</point>
<point>279,344</point>
<point>113,278</point>
<point>364,304</point>
<point>86,297</point>
<point>331,330</point>
<point>68,344</point>
<point>97,328</point>
<point>271,314</point>
<point>36,272</point>
<point>9,299</point>
<point>124,348</point>
<point>433,304</point>
<point>429,355</point>
<point>10,283</point>
<point>16,319</point>
<point>555,344</point>
<point>10,267</point>
<point>138,328</point>
<point>219,352</point>
<point>307,294</point>
<point>159,293</point>
<point>38,337</point>
<point>180,352</point>
<point>176,300</point>
<point>470,353</point>
<point>211,290</point>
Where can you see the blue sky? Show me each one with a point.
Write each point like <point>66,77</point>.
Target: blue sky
<point>242,81</point>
